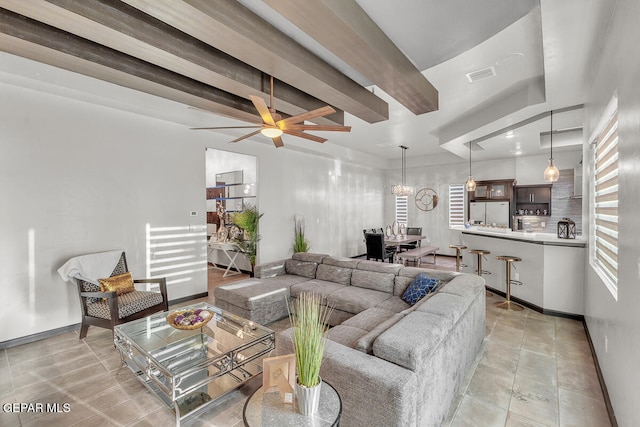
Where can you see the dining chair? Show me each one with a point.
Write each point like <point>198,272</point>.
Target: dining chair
<point>412,231</point>
<point>376,248</point>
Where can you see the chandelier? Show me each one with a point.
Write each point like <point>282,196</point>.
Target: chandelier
<point>403,189</point>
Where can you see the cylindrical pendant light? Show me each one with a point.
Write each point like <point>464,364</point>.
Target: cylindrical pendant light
<point>551,173</point>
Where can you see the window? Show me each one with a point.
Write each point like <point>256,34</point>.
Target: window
<point>402,209</point>
<point>456,204</point>
<point>604,213</point>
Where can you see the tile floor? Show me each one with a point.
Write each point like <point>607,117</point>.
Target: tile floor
<point>535,370</point>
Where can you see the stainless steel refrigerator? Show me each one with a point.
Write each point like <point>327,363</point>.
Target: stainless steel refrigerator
<point>489,213</point>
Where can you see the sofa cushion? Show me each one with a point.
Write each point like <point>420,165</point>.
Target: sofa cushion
<point>320,287</point>
<point>394,304</point>
<point>421,286</point>
<point>354,300</point>
<point>346,335</point>
<point>410,343</point>
<point>365,343</point>
<point>341,262</point>
<point>372,280</point>
<point>128,304</point>
<point>309,257</point>
<point>449,307</point>
<point>251,293</point>
<point>369,318</point>
<point>334,274</point>
<point>301,268</point>
<point>379,267</point>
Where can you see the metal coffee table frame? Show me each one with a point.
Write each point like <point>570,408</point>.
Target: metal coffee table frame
<point>189,370</point>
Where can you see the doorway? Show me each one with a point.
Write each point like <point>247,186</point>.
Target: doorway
<point>231,186</point>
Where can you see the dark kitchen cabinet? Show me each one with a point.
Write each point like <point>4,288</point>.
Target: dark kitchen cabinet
<point>492,190</point>
<point>533,200</point>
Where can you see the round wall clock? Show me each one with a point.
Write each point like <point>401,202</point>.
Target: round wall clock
<point>426,199</point>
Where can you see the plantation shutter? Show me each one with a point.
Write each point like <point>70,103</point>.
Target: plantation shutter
<point>606,201</point>
<point>402,209</point>
<point>456,204</point>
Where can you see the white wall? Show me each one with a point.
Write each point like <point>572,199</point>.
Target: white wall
<point>80,178</point>
<point>617,321</point>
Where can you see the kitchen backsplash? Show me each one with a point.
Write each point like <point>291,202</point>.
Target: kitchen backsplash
<point>562,206</point>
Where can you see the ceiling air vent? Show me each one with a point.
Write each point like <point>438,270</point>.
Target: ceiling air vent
<point>483,73</point>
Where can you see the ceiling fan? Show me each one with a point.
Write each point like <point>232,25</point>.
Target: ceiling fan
<point>273,125</point>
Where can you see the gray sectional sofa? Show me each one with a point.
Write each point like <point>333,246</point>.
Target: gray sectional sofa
<point>392,363</point>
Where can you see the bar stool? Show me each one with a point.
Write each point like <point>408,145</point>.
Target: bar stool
<point>481,253</point>
<point>508,304</point>
<point>458,248</point>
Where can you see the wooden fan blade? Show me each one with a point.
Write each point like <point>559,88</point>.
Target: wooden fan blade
<point>304,135</point>
<point>318,112</point>
<point>249,135</point>
<point>277,141</point>
<point>320,128</point>
<point>262,108</point>
<point>227,127</point>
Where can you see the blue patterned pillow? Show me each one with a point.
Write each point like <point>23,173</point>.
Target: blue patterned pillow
<point>421,285</point>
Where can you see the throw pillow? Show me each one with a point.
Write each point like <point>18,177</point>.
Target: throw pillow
<point>122,284</point>
<point>421,286</point>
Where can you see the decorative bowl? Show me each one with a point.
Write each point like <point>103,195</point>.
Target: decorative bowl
<point>189,319</point>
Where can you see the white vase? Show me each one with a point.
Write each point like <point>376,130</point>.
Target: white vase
<point>308,398</point>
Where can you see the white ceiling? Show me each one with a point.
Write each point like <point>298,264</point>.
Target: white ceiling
<point>542,53</point>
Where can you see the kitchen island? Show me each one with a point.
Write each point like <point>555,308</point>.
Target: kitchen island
<point>551,270</point>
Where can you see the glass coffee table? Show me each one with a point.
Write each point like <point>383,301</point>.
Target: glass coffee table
<point>190,369</point>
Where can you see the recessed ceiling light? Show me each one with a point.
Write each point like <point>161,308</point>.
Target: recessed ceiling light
<point>510,134</point>
<point>508,58</point>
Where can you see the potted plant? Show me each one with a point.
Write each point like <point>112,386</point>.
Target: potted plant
<point>300,242</point>
<point>248,219</point>
<point>309,318</point>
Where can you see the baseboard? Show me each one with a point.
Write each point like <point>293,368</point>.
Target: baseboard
<point>224,267</point>
<point>534,307</point>
<point>580,318</point>
<point>603,385</point>
<point>70,328</point>
<point>39,336</point>
<point>188,298</point>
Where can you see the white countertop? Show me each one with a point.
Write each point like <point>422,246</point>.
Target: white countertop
<point>506,233</point>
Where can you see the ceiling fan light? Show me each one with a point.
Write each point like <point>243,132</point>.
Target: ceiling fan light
<point>271,132</point>
<point>551,173</point>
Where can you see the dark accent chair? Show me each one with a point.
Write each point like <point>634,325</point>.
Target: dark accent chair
<point>376,249</point>
<point>107,309</point>
<point>412,231</point>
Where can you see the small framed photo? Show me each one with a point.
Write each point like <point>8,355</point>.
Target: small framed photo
<point>279,374</point>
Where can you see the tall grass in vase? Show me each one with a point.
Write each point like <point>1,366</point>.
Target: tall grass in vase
<point>309,318</point>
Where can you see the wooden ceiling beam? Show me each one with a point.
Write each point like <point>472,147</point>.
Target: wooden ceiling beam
<point>346,30</point>
<point>124,28</point>
<point>28,38</point>
<point>234,29</point>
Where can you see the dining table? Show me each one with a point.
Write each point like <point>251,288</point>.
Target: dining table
<point>402,240</point>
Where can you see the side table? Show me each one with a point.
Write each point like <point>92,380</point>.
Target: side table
<point>267,409</point>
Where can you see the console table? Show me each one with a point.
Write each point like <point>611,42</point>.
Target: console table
<point>231,250</point>
<point>267,409</point>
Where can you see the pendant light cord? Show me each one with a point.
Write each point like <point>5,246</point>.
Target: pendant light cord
<point>469,158</point>
<point>551,134</point>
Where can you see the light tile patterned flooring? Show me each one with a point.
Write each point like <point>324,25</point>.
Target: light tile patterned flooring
<point>536,370</point>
